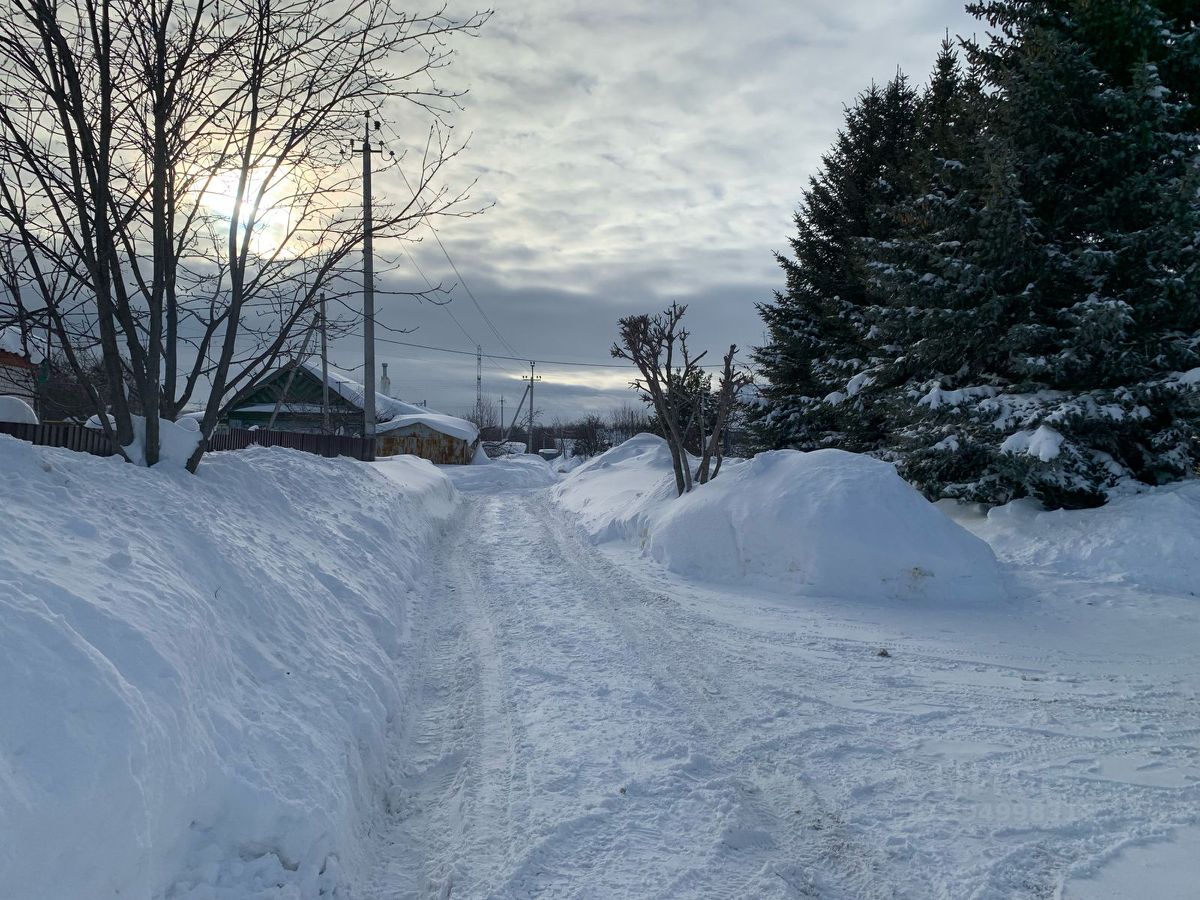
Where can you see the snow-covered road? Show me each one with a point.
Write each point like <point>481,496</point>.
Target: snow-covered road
<point>586,725</point>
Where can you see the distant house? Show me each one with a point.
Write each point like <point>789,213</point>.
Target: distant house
<point>400,427</point>
<point>18,367</point>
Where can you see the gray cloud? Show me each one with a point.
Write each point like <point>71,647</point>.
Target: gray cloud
<point>636,153</point>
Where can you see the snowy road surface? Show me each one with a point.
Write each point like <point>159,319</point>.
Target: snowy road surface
<point>584,725</point>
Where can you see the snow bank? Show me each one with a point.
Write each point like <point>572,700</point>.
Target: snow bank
<point>14,409</point>
<point>565,464</point>
<point>614,493</point>
<point>197,672</point>
<point>504,473</point>
<point>177,441</point>
<point>1150,539</point>
<point>825,523</point>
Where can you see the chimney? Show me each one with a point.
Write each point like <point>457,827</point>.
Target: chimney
<point>385,383</point>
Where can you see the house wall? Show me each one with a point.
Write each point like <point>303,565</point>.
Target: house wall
<point>18,381</point>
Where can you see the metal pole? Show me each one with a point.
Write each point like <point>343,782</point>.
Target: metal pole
<point>324,371</point>
<point>368,291</point>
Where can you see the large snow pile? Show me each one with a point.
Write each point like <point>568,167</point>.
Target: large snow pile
<point>1151,539</point>
<point>825,523</point>
<point>197,672</point>
<point>503,473</point>
<point>613,493</point>
<point>14,409</point>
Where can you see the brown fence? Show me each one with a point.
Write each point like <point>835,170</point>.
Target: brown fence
<point>88,440</point>
<point>72,437</point>
<point>362,449</point>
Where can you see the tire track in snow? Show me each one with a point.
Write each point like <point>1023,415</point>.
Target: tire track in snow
<point>586,730</point>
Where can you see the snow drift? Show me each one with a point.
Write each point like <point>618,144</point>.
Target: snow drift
<point>197,672</point>
<point>823,523</point>
<point>1150,538</point>
<point>523,472</point>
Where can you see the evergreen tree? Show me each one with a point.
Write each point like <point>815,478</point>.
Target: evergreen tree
<point>818,335</point>
<point>996,285</point>
<point>1040,294</point>
<point>1082,261</point>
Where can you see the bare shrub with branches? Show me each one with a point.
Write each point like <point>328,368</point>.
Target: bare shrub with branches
<point>590,436</point>
<point>670,377</point>
<point>173,185</point>
<point>733,380</point>
<point>658,346</point>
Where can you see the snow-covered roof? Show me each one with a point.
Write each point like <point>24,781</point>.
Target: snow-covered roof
<point>10,341</point>
<point>391,413</point>
<point>289,407</point>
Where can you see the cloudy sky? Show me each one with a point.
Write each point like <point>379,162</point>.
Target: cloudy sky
<point>635,152</point>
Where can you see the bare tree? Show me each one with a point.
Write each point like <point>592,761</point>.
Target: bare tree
<point>657,345</point>
<point>625,422</point>
<point>589,436</point>
<point>484,414</point>
<point>172,176</point>
<point>732,382</point>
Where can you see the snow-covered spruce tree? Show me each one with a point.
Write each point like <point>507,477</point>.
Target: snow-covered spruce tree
<point>1046,295</point>
<point>958,247</point>
<point>818,338</point>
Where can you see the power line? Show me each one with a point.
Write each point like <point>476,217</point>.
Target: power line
<point>521,359</point>
<point>446,306</point>
<point>446,253</point>
<point>436,237</point>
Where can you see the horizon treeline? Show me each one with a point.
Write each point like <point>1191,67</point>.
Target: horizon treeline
<point>995,279</point>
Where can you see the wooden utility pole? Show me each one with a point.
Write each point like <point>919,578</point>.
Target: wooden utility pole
<point>368,289</point>
<point>369,280</point>
<point>324,370</point>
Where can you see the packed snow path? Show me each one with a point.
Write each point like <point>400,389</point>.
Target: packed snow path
<point>587,726</point>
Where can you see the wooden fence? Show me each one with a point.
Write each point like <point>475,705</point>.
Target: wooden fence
<point>88,440</point>
<point>330,445</point>
<point>72,437</point>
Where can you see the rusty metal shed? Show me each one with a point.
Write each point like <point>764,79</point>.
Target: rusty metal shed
<point>420,440</point>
